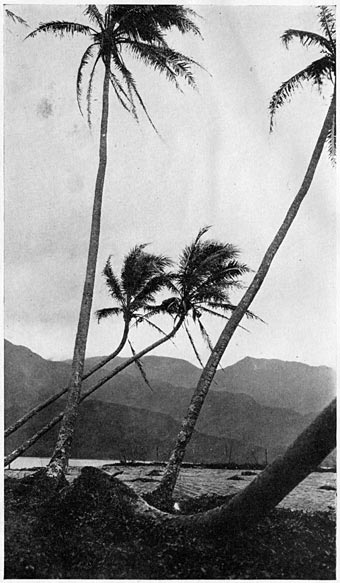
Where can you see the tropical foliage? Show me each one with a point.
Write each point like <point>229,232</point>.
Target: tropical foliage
<point>164,491</point>
<point>207,272</point>
<point>141,31</point>
<point>123,30</point>
<point>318,72</point>
<point>142,277</point>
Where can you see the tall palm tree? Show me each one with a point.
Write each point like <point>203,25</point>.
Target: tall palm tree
<point>142,277</point>
<point>207,272</point>
<point>137,30</point>
<point>319,72</point>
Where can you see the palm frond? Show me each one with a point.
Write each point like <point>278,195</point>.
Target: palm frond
<point>107,312</point>
<point>89,89</point>
<point>205,335</point>
<point>120,92</point>
<point>133,89</point>
<point>112,282</point>
<point>147,22</point>
<point>15,17</point>
<point>84,61</point>
<point>328,23</point>
<point>331,142</point>
<point>148,289</point>
<point>316,72</point>
<point>165,60</point>
<point>214,313</point>
<point>61,28</point>
<point>228,307</point>
<point>189,250</point>
<point>193,345</point>
<point>146,320</point>
<point>140,367</point>
<point>92,12</point>
<point>307,39</point>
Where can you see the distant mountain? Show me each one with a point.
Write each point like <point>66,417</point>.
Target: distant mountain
<point>273,383</point>
<point>29,378</point>
<point>112,431</point>
<point>226,416</point>
<point>277,383</point>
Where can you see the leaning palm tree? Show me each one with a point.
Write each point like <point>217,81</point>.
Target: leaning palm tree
<point>318,72</point>
<point>143,275</point>
<point>207,272</point>
<point>137,30</point>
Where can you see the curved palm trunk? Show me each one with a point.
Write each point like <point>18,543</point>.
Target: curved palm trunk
<point>252,503</point>
<point>29,442</point>
<point>12,428</point>
<point>59,460</point>
<point>167,484</point>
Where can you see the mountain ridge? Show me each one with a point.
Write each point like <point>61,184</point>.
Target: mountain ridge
<point>226,415</point>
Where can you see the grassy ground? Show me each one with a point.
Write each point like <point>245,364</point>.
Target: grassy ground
<point>89,532</point>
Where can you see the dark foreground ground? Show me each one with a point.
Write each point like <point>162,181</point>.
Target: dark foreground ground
<point>88,533</point>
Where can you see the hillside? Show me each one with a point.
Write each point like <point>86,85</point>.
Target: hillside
<point>226,416</point>
<point>271,382</point>
<point>113,431</point>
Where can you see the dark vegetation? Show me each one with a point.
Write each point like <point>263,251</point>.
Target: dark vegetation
<point>129,421</point>
<point>88,531</point>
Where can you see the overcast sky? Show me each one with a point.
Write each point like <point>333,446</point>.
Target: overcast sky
<point>218,166</point>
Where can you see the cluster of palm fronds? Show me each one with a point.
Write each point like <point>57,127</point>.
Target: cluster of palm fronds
<point>207,271</point>
<point>138,30</point>
<point>317,72</point>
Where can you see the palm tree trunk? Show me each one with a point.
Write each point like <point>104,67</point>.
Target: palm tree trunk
<point>29,442</point>
<point>252,503</point>
<point>12,428</point>
<point>59,460</point>
<point>167,484</point>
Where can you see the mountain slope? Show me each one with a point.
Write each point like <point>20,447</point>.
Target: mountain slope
<point>225,415</point>
<point>277,383</point>
<point>271,382</point>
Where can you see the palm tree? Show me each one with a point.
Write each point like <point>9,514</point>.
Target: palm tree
<point>252,503</point>
<point>244,509</point>
<point>207,271</point>
<point>142,277</point>
<point>318,72</point>
<point>138,30</point>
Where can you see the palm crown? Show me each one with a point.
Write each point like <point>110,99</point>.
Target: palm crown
<point>142,276</point>
<point>207,272</point>
<point>319,71</point>
<point>135,29</point>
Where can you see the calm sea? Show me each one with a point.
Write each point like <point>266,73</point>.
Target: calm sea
<point>32,462</point>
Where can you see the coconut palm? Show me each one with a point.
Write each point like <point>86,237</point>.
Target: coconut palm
<point>207,272</point>
<point>319,72</point>
<point>137,30</point>
<point>142,277</point>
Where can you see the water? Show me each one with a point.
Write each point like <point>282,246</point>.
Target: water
<point>40,462</point>
<point>309,495</point>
